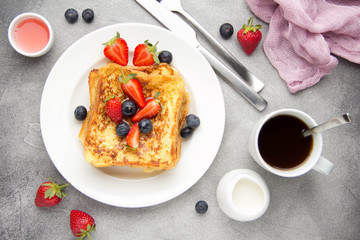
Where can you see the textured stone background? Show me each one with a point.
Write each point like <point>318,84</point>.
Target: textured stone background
<point>312,206</point>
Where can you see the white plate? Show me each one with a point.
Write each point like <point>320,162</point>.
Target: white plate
<point>67,87</point>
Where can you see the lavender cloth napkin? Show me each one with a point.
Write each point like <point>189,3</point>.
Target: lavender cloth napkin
<point>304,33</point>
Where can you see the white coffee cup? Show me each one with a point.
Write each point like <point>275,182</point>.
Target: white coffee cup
<point>314,160</point>
<point>243,195</point>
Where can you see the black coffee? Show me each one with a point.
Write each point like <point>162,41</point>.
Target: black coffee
<point>281,143</point>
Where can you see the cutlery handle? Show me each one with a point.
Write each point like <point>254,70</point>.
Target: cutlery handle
<point>249,78</point>
<point>237,83</point>
<point>343,119</point>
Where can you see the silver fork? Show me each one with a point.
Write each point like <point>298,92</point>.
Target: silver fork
<point>252,80</point>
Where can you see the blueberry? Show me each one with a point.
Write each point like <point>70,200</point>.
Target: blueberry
<point>71,15</point>
<point>122,129</point>
<point>145,126</point>
<point>165,56</point>
<point>88,15</point>
<point>128,108</point>
<point>192,121</point>
<point>226,30</point>
<point>80,113</point>
<point>201,207</point>
<point>186,132</point>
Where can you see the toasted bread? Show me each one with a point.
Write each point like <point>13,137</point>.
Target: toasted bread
<point>159,149</point>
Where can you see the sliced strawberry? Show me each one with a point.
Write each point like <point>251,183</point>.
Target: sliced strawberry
<point>133,137</point>
<point>145,54</point>
<point>81,224</point>
<point>152,108</point>
<point>132,88</point>
<point>113,109</point>
<point>117,50</point>
<point>49,194</point>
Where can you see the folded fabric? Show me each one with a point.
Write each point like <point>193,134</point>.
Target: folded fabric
<point>304,33</point>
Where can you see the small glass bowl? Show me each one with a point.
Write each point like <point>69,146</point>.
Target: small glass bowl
<point>16,21</point>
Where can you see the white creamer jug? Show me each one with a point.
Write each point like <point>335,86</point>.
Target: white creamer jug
<point>243,195</point>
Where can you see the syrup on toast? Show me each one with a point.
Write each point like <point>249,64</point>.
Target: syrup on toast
<point>159,149</point>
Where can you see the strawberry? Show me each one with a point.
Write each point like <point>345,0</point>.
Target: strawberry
<point>113,109</point>
<point>49,194</point>
<point>132,88</point>
<point>81,224</point>
<point>145,54</point>
<point>117,50</point>
<point>133,137</point>
<point>249,36</point>
<point>152,108</point>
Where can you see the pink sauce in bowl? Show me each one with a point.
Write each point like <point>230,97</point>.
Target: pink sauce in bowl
<point>30,34</point>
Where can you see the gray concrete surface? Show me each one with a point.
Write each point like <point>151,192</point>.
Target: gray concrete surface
<point>312,206</point>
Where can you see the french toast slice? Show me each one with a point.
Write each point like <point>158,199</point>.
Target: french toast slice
<point>160,149</point>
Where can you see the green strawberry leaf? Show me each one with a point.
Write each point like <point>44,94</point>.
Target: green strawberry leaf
<point>125,79</point>
<point>131,148</point>
<point>61,194</point>
<point>157,94</point>
<point>54,189</point>
<point>50,193</point>
<point>86,233</point>
<point>153,50</point>
<point>156,59</point>
<point>108,98</point>
<point>112,40</point>
<point>250,27</point>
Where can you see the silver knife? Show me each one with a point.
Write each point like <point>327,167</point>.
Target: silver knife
<point>184,31</point>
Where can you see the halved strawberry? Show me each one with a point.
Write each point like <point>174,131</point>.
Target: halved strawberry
<point>145,54</point>
<point>132,88</point>
<point>113,109</point>
<point>152,108</point>
<point>117,50</point>
<point>133,137</point>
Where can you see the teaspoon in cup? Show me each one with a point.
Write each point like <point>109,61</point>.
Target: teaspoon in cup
<point>345,118</point>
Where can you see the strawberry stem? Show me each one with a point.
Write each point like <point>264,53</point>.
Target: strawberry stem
<point>250,27</point>
<point>108,98</point>
<point>153,50</point>
<point>86,233</point>
<point>157,94</point>
<point>54,189</point>
<point>125,79</point>
<point>113,39</point>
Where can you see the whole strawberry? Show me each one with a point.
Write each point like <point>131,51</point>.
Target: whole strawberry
<point>81,224</point>
<point>49,194</point>
<point>145,54</point>
<point>117,50</point>
<point>249,36</point>
<point>113,109</point>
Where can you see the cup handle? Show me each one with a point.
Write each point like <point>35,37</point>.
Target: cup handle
<point>324,166</point>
